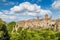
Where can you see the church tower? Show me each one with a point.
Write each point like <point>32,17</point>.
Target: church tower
<point>46,17</point>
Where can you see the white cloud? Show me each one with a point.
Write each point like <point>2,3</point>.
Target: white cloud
<point>0,13</point>
<point>26,6</point>
<point>7,17</point>
<point>12,17</point>
<point>25,9</point>
<point>30,13</point>
<point>43,12</point>
<point>56,4</point>
<point>29,9</point>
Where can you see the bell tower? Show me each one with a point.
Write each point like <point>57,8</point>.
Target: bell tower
<point>46,17</point>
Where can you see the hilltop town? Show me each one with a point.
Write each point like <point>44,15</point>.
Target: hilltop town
<point>44,23</point>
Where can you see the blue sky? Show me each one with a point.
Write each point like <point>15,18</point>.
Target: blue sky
<point>43,3</point>
<point>15,10</point>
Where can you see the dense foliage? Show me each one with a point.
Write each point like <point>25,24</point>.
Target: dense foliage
<point>26,34</point>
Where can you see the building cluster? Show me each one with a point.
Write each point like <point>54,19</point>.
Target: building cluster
<point>45,23</point>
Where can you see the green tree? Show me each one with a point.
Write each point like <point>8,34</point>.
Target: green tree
<point>4,33</point>
<point>10,26</point>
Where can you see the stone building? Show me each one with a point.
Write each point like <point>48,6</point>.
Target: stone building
<point>45,23</point>
<point>34,23</point>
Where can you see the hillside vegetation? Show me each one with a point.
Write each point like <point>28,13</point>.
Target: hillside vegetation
<point>26,34</point>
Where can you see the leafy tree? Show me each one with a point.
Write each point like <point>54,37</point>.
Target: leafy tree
<point>10,26</point>
<point>4,34</point>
